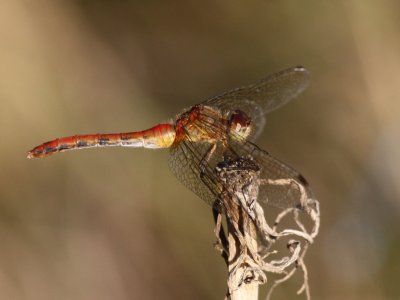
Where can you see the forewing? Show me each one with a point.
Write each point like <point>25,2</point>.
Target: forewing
<point>263,97</point>
<point>255,100</point>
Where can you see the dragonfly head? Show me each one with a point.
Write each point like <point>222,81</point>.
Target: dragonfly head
<point>239,124</point>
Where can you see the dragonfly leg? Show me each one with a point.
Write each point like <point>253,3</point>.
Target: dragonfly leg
<point>206,158</point>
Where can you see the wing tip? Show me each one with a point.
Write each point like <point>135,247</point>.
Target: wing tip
<point>301,69</point>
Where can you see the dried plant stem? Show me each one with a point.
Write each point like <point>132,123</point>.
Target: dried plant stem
<point>246,226</point>
<point>238,249</point>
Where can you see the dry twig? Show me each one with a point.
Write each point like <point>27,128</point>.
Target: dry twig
<point>249,239</point>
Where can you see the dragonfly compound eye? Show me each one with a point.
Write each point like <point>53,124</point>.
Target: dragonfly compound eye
<point>239,125</point>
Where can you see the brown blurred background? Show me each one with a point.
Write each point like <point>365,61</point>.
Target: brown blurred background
<point>115,223</point>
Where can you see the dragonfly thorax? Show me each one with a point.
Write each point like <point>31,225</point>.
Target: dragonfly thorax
<point>201,124</point>
<point>207,124</point>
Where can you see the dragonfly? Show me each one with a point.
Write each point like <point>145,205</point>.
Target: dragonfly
<point>207,133</point>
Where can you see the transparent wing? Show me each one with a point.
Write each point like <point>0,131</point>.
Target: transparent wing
<point>281,186</point>
<point>186,159</point>
<point>258,99</point>
<point>184,162</point>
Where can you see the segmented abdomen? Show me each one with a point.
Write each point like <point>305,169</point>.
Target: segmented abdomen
<point>159,136</point>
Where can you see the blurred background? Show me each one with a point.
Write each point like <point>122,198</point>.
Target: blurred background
<point>115,223</point>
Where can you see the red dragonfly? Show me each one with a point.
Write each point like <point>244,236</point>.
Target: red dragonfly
<point>204,134</point>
